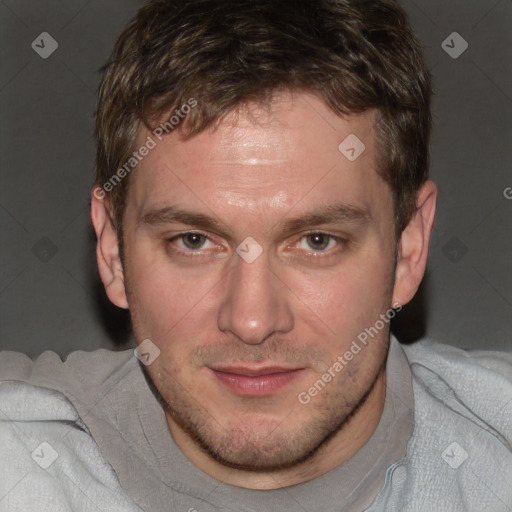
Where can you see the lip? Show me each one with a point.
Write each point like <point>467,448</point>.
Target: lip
<point>262,381</point>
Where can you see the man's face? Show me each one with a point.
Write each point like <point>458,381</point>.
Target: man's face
<point>243,333</point>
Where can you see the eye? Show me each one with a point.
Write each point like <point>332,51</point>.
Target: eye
<point>318,242</point>
<point>191,241</point>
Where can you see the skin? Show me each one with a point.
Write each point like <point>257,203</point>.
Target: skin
<point>300,304</point>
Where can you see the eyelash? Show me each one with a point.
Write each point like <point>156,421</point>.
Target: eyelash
<point>309,254</point>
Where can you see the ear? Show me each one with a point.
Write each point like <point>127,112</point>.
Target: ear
<point>413,246</point>
<point>107,249</point>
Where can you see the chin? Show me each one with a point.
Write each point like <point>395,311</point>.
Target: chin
<point>261,443</point>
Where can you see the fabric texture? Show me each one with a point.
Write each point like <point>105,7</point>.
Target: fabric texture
<point>48,459</point>
<point>443,442</point>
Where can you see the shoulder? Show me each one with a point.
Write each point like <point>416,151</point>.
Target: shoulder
<point>80,374</point>
<point>49,457</point>
<point>430,353</point>
<point>88,383</point>
<point>18,366</point>
<point>460,454</point>
<point>476,385</point>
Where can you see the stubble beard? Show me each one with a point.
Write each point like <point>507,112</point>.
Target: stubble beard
<point>272,446</point>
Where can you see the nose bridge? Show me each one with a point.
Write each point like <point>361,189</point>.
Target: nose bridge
<point>255,303</point>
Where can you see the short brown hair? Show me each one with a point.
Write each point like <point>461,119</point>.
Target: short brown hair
<point>354,54</point>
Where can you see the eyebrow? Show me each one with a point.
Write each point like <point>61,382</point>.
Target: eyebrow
<point>331,214</point>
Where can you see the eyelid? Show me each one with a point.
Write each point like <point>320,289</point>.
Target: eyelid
<point>183,234</point>
<point>319,232</point>
<point>339,239</point>
<point>189,232</point>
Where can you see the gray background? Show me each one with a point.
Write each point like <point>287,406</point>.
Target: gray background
<point>50,296</point>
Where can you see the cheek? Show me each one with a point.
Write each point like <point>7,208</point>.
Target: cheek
<point>164,299</point>
<point>339,306</point>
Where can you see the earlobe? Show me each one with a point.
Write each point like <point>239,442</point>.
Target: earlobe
<point>107,250</point>
<point>413,246</point>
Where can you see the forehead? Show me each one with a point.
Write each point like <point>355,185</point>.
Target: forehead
<point>263,161</point>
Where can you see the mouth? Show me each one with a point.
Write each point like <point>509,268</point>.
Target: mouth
<point>252,381</point>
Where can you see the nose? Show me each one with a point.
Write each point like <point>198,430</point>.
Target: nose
<point>255,303</point>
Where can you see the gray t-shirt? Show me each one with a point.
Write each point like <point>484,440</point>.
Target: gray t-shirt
<point>117,402</point>
<point>89,434</point>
